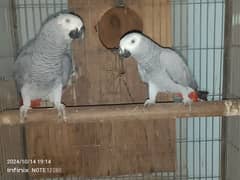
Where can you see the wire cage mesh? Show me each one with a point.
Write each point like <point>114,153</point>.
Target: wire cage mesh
<point>198,35</point>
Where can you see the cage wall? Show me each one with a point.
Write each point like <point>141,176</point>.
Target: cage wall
<point>198,29</point>
<point>199,36</point>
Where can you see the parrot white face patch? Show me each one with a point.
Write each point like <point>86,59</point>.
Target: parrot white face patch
<point>71,24</point>
<point>129,43</point>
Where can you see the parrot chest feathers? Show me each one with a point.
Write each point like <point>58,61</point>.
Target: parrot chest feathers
<point>46,73</point>
<point>39,90</point>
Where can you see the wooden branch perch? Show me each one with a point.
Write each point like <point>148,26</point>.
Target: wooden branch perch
<point>129,112</point>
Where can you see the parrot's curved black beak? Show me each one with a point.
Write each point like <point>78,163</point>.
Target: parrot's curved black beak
<point>76,34</point>
<point>124,53</point>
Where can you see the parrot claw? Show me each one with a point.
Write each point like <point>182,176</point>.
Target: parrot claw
<point>73,79</point>
<point>23,113</point>
<point>149,102</point>
<point>69,83</point>
<point>61,112</point>
<point>188,101</point>
<point>75,76</point>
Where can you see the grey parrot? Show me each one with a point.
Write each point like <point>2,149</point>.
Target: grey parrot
<point>44,66</point>
<point>161,68</point>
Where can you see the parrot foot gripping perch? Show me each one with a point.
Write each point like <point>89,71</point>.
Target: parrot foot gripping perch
<point>61,112</point>
<point>23,113</point>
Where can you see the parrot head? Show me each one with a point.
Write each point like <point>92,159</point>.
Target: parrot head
<point>129,44</point>
<point>71,26</point>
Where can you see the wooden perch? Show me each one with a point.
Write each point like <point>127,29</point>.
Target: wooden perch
<point>108,140</point>
<point>129,112</point>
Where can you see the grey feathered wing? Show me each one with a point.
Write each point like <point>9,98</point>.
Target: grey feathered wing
<point>179,72</point>
<point>22,66</point>
<point>177,68</point>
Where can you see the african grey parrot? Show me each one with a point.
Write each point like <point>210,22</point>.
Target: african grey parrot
<point>44,66</point>
<point>161,68</point>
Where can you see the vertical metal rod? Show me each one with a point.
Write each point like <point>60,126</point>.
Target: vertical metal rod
<point>214,69</point>
<point>206,146</point>
<point>200,46</point>
<point>193,129</point>
<point>194,24</point>
<point>159,14</point>
<point>174,39</point>
<point>47,10</point>
<point>212,159</point>
<point>180,143</point>
<point>219,147</point>
<point>199,145</point>
<point>227,47</point>
<point>61,5</point>
<point>40,11</point>
<point>206,119</point>
<point>14,24</point>
<point>19,25</point>
<point>2,154</point>
<point>221,90</point>
<point>214,51</point>
<point>222,52</point>
<point>24,144</point>
<point>174,22</point>
<point>33,18</point>
<point>26,19</point>
<point>54,6</point>
<point>187,55</point>
<point>153,13</point>
<point>181,120</point>
<point>194,119</point>
<point>200,84</point>
<point>7,136</point>
<point>181,27</point>
<point>174,42</point>
<point>207,47</point>
<point>226,78</point>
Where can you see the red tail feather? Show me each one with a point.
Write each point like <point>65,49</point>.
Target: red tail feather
<point>193,96</point>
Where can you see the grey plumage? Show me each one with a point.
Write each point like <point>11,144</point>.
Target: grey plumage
<point>44,66</point>
<point>162,68</point>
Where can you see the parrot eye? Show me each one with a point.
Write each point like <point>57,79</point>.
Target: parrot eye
<point>132,41</point>
<point>67,20</point>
